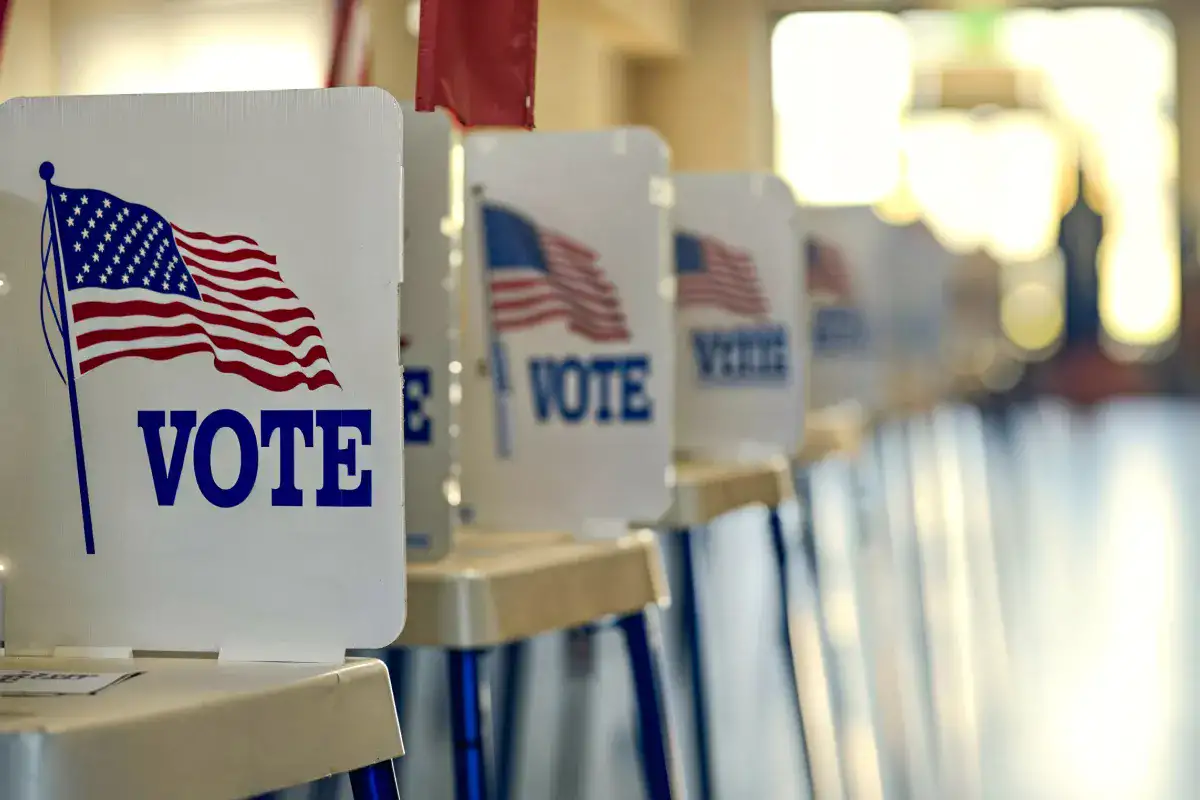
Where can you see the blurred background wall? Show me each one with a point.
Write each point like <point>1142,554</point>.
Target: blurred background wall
<point>852,106</point>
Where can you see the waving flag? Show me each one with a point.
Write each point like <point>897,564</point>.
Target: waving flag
<point>350,64</point>
<point>537,276</point>
<point>839,327</point>
<point>714,275</point>
<point>129,284</point>
<point>828,275</point>
<point>139,286</point>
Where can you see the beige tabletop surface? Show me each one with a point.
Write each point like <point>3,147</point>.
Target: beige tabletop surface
<point>497,587</point>
<point>194,728</point>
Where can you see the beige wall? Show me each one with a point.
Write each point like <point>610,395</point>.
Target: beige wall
<point>713,104</point>
<point>702,103</point>
<point>96,46</point>
<point>28,62</point>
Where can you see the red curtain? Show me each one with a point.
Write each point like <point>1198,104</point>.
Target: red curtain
<point>477,58</point>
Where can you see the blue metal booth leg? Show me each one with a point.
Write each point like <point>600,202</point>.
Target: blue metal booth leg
<point>660,760</point>
<point>780,546</point>
<point>470,724</point>
<point>376,782</point>
<point>398,660</point>
<point>689,602</point>
<point>508,723</point>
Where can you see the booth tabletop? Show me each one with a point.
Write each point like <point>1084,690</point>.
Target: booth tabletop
<point>705,491</point>
<point>194,728</point>
<point>830,431</point>
<point>495,588</point>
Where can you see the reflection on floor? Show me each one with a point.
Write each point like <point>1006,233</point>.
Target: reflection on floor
<point>1007,613</point>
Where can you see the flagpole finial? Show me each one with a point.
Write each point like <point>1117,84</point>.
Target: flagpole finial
<point>46,170</point>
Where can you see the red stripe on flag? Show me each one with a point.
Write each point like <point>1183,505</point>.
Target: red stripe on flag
<point>85,311</point>
<point>225,256</point>
<point>253,273</point>
<point>272,383</point>
<point>230,239</point>
<point>280,358</point>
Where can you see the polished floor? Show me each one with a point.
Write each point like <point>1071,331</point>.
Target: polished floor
<point>1004,609</point>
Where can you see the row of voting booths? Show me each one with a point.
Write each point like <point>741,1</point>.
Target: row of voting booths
<point>308,372</point>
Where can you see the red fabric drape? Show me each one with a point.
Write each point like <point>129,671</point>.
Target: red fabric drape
<point>4,4</point>
<point>349,63</point>
<point>476,58</point>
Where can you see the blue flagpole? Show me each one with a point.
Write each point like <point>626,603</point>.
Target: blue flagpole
<point>500,391</point>
<point>498,366</point>
<point>46,171</point>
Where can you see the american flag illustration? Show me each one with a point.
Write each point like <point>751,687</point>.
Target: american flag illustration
<point>828,275</point>
<point>350,64</point>
<point>139,286</point>
<point>715,275</point>
<point>536,276</point>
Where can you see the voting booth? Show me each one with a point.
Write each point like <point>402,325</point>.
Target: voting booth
<point>976,344</point>
<point>568,339</point>
<point>429,321</point>
<point>845,251</point>
<point>740,317</point>
<point>547,386</point>
<point>200,377</point>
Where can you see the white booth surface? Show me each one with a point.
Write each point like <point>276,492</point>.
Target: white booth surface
<point>184,728</point>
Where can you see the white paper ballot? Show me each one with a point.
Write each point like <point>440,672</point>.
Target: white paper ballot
<point>35,682</point>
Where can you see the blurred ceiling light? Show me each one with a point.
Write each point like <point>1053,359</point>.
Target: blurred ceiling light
<point>841,82</point>
<point>1140,285</point>
<point>944,156</point>
<point>1022,155</point>
<point>989,182</point>
<point>1090,83</point>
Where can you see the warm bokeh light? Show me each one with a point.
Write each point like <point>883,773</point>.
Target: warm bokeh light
<point>848,79</point>
<point>1031,315</point>
<point>1002,181</point>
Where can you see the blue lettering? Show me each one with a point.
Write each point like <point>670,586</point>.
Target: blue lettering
<point>603,369</point>
<point>636,404</point>
<point>573,405</point>
<point>838,330</point>
<point>166,474</point>
<point>288,423</point>
<point>742,356</point>
<point>418,385</point>
<point>331,492</point>
<point>206,434</point>
<point>704,352</point>
<point>602,389</point>
<point>544,383</point>
<point>166,478</point>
